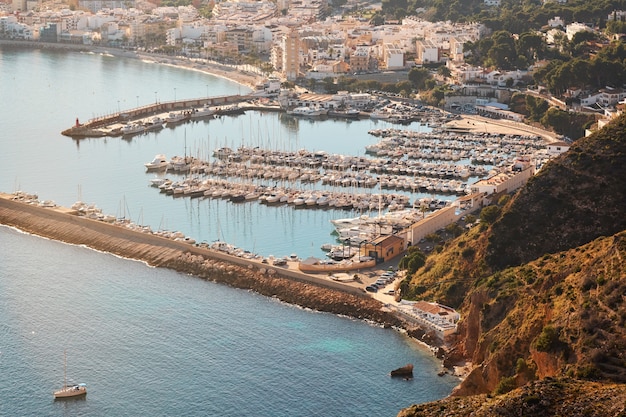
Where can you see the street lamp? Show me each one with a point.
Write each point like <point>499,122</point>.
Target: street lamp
<point>174,94</point>
<point>155,97</point>
<point>137,101</point>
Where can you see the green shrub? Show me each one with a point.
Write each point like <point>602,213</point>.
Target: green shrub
<point>548,340</point>
<point>505,385</point>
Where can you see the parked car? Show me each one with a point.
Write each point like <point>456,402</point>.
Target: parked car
<point>371,288</point>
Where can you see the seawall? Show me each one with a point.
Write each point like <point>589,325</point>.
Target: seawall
<point>290,286</point>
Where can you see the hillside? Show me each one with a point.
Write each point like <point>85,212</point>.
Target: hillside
<point>549,397</point>
<point>542,290</point>
<point>576,198</point>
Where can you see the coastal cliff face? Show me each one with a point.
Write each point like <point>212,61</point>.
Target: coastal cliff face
<point>541,289</point>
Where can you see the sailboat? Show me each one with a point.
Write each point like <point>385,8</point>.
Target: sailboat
<point>69,390</point>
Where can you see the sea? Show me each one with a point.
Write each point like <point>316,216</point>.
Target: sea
<point>153,342</point>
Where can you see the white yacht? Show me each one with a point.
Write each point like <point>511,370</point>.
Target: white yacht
<point>305,111</point>
<point>132,129</point>
<point>204,111</point>
<point>159,162</point>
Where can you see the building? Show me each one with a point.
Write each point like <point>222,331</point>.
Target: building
<point>360,59</point>
<point>383,248</point>
<point>291,55</point>
<point>574,28</point>
<point>506,181</point>
<point>557,148</point>
<point>436,221</point>
<point>393,56</point>
<point>427,52</point>
<point>440,319</point>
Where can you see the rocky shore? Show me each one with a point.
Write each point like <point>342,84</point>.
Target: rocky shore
<point>65,225</point>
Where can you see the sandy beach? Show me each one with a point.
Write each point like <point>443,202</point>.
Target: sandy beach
<point>231,73</point>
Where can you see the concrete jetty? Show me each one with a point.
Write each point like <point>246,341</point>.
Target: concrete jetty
<point>101,126</point>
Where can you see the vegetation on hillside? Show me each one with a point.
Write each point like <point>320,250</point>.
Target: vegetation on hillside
<point>549,397</point>
<point>540,282</point>
<point>575,198</point>
<point>515,16</point>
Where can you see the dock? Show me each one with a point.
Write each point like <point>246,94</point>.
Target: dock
<point>110,125</point>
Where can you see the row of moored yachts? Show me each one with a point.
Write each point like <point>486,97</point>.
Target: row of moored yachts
<point>240,192</point>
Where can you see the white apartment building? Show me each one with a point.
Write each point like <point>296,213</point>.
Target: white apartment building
<point>507,181</point>
<point>393,56</point>
<point>427,52</point>
<point>573,28</point>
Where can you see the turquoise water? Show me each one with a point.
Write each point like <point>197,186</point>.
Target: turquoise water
<point>154,342</point>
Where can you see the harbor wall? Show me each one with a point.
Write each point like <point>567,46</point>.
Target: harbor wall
<point>87,128</point>
<point>290,286</point>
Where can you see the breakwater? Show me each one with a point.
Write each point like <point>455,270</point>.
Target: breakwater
<point>93,127</point>
<point>287,285</point>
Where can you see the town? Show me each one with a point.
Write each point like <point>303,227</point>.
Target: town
<point>320,46</point>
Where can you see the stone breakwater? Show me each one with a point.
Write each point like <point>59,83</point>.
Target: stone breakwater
<point>289,286</point>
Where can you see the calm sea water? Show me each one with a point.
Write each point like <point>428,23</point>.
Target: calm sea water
<point>150,341</point>
<point>44,92</point>
<point>154,342</point>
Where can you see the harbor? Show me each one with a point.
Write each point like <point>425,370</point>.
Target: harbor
<point>393,175</point>
<point>231,158</point>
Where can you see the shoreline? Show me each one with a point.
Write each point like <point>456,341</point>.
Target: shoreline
<point>306,291</point>
<point>213,68</point>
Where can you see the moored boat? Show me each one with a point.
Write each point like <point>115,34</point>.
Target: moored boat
<point>304,111</point>
<point>68,391</point>
<point>345,113</point>
<point>132,129</point>
<point>176,117</point>
<point>154,124</point>
<point>159,162</point>
<point>204,111</point>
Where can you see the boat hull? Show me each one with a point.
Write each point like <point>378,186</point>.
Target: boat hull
<point>70,392</point>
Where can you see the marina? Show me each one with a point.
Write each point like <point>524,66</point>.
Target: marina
<point>173,332</point>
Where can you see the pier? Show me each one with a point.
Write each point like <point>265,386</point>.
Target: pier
<point>104,126</point>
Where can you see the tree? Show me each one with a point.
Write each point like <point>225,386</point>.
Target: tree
<point>529,44</point>
<point>558,119</point>
<point>536,107</point>
<point>413,260</point>
<point>444,72</point>
<point>489,214</point>
<point>418,77</point>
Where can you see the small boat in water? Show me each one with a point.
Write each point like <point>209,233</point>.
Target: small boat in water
<point>154,124</point>
<point>132,129</point>
<point>204,111</point>
<point>176,117</point>
<point>159,162</point>
<point>304,111</point>
<point>69,391</point>
<point>345,113</point>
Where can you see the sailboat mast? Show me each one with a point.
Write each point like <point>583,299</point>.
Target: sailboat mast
<point>65,369</point>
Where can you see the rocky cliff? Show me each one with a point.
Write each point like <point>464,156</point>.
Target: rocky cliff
<point>541,289</point>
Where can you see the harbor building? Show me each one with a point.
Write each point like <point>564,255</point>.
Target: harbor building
<point>442,320</point>
<point>506,181</point>
<point>384,248</point>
